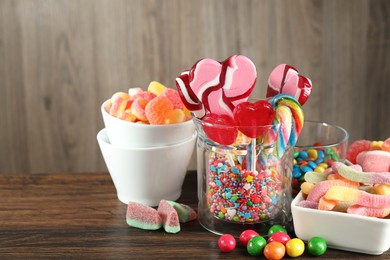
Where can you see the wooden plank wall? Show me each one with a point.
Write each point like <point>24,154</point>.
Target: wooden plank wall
<point>60,59</point>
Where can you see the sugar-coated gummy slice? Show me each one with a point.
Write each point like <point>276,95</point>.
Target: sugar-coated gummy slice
<point>133,91</point>
<point>145,95</point>
<point>156,88</point>
<point>185,212</point>
<point>169,216</point>
<point>138,109</point>
<point>142,216</point>
<point>174,97</point>
<point>355,148</point>
<point>118,103</point>
<point>157,109</point>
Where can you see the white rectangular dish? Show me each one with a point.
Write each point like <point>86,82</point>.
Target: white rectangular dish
<point>342,230</point>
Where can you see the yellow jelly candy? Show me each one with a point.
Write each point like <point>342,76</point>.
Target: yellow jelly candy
<point>175,116</point>
<point>156,88</point>
<point>382,189</point>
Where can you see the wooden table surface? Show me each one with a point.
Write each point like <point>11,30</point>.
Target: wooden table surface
<point>68,215</point>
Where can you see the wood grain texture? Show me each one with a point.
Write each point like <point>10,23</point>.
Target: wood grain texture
<point>77,216</point>
<point>61,59</point>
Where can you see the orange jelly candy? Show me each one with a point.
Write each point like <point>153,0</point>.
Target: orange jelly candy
<point>138,109</point>
<point>156,110</point>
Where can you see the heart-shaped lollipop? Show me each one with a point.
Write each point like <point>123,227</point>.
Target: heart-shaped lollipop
<point>188,97</point>
<point>238,78</point>
<point>254,119</point>
<point>220,128</point>
<point>285,79</point>
<point>217,87</point>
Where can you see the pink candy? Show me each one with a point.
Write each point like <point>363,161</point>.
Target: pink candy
<point>285,79</point>
<point>217,87</point>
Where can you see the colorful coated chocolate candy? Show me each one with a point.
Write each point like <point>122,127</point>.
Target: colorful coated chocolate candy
<point>314,159</point>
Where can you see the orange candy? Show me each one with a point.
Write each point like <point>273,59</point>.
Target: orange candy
<point>166,108</point>
<point>274,251</point>
<point>157,110</point>
<point>138,109</point>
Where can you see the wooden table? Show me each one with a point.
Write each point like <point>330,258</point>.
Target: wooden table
<point>68,215</point>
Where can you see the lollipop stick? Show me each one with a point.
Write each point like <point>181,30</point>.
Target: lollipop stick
<point>253,154</point>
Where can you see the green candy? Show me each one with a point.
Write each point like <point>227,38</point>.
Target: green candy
<point>316,246</point>
<point>276,228</point>
<point>256,245</point>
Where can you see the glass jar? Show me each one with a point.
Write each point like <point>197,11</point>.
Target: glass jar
<point>319,145</point>
<point>243,185</point>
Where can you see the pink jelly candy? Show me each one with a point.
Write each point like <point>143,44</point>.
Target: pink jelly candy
<point>355,148</point>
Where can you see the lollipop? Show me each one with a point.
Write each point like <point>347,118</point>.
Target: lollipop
<point>254,120</point>
<point>285,79</point>
<point>214,87</point>
<point>297,114</point>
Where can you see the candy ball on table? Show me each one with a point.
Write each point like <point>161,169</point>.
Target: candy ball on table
<point>256,245</point>
<point>316,246</point>
<point>246,235</point>
<point>226,243</point>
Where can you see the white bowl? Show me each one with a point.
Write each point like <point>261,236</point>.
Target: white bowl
<point>147,175</point>
<point>342,230</point>
<point>125,134</point>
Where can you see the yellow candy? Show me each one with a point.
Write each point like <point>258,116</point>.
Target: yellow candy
<point>187,112</point>
<point>156,88</point>
<point>175,116</point>
<point>376,145</point>
<point>313,154</point>
<point>324,165</point>
<point>306,187</point>
<point>382,189</point>
<point>319,169</point>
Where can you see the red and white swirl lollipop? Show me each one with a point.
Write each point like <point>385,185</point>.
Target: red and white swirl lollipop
<point>217,87</point>
<point>285,79</point>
